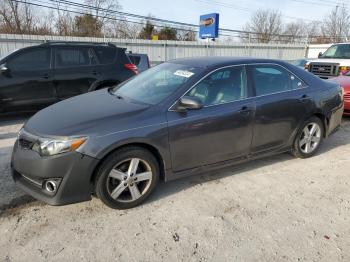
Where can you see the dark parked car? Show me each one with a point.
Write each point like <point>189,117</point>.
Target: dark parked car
<point>140,60</point>
<point>176,119</point>
<point>34,77</point>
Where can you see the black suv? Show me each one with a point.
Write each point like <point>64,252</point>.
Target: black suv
<point>34,77</point>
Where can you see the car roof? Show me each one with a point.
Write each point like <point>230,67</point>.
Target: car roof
<point>219,61</point>
<point>75,43</point>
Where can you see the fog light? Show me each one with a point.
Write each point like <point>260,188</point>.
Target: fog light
<point>51,186</point>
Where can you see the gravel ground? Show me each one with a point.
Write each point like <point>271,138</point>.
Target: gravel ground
<point>275,209</point>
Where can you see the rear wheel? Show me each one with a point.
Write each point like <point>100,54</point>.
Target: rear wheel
<point>309,138</point>
<point>127,177</point>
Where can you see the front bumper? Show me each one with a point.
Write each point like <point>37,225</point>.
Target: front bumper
<point>71,170</point>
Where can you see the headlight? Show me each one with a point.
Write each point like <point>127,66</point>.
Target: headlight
<point>55,146</point>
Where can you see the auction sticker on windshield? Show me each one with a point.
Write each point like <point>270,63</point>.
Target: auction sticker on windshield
<point>183,73</point>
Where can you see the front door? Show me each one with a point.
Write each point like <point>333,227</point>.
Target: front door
<point>221,130</point>
<point>28,82</point>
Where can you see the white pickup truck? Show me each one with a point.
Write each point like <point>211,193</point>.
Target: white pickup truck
<point>333,62</point>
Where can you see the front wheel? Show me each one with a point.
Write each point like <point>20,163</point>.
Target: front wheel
<point>127,177</point>
<point>309,138</point>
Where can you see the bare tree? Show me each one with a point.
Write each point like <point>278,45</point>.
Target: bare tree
<point>105,12</point>
<point>336,25</point>
<point>17,17</point>
<point>124,29</point>
<point>266,25</point>
<point>295,32</point>
<point>186,35</point>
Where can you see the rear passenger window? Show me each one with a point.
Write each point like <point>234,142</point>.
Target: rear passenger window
<point>270,79</point>
<point>105,54</point>
<point>38,59</point>
<point>74,56</point>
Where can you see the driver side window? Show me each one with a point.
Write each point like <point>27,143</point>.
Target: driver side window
<point>222,86</point>
<point>31,60</point>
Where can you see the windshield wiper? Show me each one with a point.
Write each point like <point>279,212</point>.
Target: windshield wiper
<point>112,92</point>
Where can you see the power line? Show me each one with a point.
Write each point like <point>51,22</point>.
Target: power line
<point>244,9</point>
<point>165,23</point>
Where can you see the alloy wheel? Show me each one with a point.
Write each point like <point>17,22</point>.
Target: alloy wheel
<point>310,138</point>
<point>129,180</point>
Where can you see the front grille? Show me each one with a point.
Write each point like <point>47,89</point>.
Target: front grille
<point>324,69</point>
<point>25,144</point>
<point>347,97</point>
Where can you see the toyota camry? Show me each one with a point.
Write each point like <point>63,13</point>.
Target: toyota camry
<point>180,118</point>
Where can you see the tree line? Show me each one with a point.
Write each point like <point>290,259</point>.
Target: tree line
<point>268,26</point>
<point>99,19</point>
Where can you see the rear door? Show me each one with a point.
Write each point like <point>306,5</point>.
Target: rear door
<point>75,70</point>
<point>282,103</point>
<point>28,83</point>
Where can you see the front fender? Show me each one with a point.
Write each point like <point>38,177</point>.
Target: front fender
<point>155,136</point>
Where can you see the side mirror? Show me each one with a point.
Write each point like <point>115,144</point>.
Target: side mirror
<point>189,103</point>
<point>320,54</point>
<point>3,69</point>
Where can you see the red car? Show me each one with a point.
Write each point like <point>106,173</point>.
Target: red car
<point>344,81</point>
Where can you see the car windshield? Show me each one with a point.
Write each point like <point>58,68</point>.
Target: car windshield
<point>156,84</point>
<point>337,51</point>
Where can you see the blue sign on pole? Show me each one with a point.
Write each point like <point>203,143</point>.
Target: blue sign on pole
<point>209,26</point>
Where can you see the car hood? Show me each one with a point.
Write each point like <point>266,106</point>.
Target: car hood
<point>342,62</point>
<point>344,81</point>
<point>94,113</point>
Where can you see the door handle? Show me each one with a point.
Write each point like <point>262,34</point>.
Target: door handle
<point>304,98</point>
<point>45,76</point>
<point>245,110</point>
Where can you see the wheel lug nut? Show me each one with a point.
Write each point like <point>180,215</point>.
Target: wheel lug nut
<point>131,174</point>
<point>125,184</point>
<point>135,178</point>
<point>131,184</point>
<point>125,178</point>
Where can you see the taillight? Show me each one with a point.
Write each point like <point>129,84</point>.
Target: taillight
<point>132,67</point>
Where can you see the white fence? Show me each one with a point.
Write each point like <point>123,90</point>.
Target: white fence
<point>314,50</point>
<point>159,51</point>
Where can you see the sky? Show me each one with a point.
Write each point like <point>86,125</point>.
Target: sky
<point>233,13</point>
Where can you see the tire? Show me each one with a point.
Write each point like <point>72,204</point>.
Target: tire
<point>307,144</point>
<point>120,185</point>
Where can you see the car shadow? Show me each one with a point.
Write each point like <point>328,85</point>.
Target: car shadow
<point>340,138</point>
<point>10,195</point>
<point>14,118</point>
